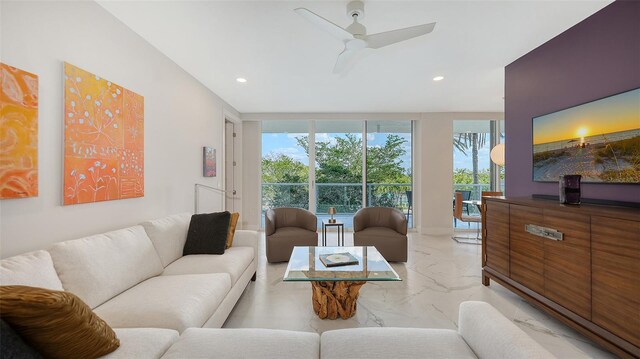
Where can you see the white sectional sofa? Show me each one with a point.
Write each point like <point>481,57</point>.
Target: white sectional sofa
<point>137,277</point>
<point>163,304</point>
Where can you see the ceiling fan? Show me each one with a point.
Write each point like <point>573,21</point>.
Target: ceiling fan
<point>355,36</point>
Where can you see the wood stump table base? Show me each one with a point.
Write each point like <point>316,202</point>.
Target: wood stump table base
<point>335,298</point>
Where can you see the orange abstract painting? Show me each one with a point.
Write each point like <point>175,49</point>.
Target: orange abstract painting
<point>18,133</point>
<point>103,139</point>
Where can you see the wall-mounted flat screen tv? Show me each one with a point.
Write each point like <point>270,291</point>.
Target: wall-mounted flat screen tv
<point>599,140</point>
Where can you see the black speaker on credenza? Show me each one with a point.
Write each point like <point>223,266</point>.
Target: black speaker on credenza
<point>570,189</point>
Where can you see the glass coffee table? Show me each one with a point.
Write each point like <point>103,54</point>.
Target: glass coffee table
<point>335,290</point>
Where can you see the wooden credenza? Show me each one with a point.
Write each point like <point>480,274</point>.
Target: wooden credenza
<point>581,264</point>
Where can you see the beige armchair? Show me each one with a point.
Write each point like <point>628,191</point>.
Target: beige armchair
<point>288,227</point>
<point>384,228</point>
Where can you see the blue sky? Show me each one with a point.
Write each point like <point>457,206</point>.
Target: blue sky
<point>608,115</point>
<point>285,143</point>
<point>462,161</point>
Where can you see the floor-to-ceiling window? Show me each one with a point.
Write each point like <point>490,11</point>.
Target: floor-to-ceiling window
<point>338,168</point>
<point>473,171</point>
<point>389,169</point>
<point>339,176</point>
<point>285,164</point>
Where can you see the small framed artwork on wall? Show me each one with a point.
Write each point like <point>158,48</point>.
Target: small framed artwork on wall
<point>208,161</point>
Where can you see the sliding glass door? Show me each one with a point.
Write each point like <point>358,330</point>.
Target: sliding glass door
<point>389,165</point>
<point>471,162</point>
<point>473,171</point>
<point>354,163</point>
<point>285,164</point>
<point>338,168</point>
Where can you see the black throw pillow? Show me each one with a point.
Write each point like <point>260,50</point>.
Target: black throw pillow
<point>207,233</point>
<point>12,346</point>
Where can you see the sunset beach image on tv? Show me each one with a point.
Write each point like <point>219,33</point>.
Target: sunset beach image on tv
<point>599,140</point>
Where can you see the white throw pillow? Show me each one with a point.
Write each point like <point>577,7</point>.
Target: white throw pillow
<point>168,235</point>
<point>99,267</point>
<point>34,269</point>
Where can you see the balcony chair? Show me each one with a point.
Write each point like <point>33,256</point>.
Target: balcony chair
<point>287,227</point>
<point>409,201</point>
<point>457,214</point>
<point>466,195</point>
<point>384,228</point>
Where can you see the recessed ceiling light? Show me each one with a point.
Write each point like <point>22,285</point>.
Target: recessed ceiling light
<point>438,78</point>
<point>241,80</point>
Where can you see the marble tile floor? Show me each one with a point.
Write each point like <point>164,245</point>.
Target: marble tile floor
<point>438,276</point>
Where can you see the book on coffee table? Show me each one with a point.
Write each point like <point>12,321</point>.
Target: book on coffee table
<point>338,259</point>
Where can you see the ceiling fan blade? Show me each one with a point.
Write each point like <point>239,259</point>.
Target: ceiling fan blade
<point>325,24</point>
<point>382,39</point>
<point>345,57</point>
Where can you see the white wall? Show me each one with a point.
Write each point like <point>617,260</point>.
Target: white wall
<point>433,174</point>
<point>252,172</point>
<point>181,116</point>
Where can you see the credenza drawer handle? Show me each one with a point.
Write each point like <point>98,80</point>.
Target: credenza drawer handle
<point>544,232</point>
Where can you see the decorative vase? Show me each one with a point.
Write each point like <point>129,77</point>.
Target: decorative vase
<point>570,189</point>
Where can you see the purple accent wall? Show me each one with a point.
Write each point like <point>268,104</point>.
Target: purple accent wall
<point>596,58</point>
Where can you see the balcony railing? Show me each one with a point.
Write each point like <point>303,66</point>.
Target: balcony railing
<point>476,189</point>
<point>285,195</point>
<point>345,197</point>
<point>476,193</point>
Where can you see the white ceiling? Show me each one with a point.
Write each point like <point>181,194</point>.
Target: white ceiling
<point>288,62</point>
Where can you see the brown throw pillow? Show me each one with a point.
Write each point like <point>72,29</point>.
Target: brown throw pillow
<point>57,324</point>
<point>233,223</point>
